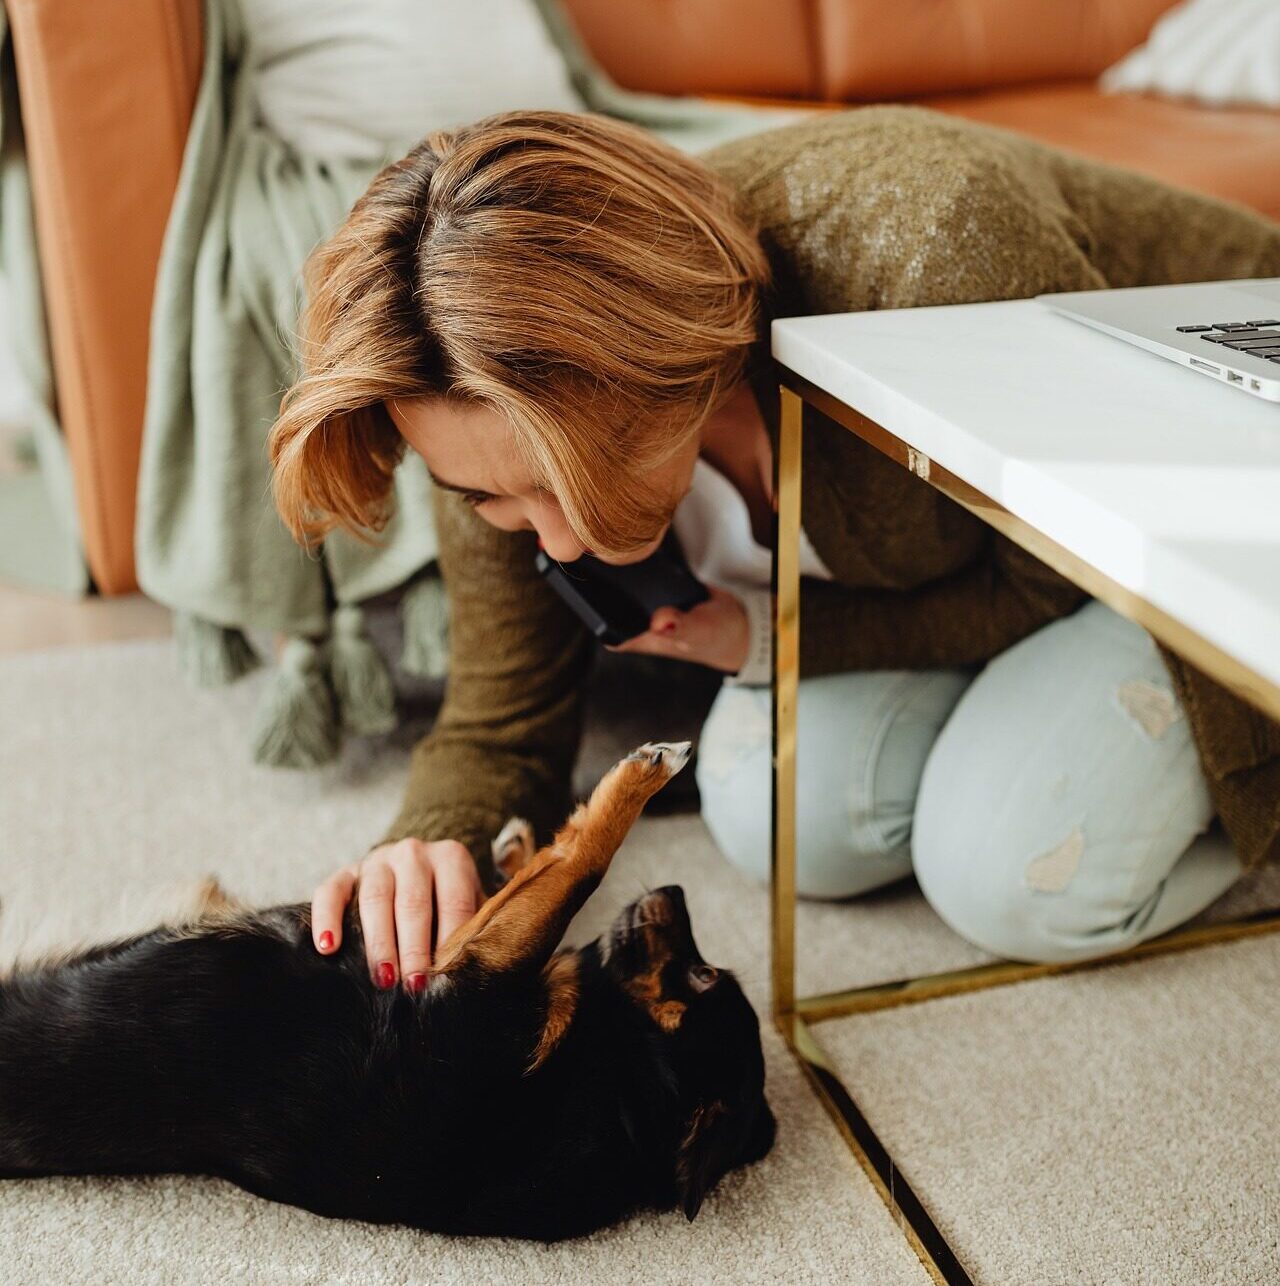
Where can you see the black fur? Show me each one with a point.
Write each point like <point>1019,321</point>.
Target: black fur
<point>239,1051</point>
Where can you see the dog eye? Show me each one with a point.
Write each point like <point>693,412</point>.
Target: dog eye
<point>702,976</point>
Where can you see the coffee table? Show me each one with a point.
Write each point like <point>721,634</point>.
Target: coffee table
<point>1154,488</point>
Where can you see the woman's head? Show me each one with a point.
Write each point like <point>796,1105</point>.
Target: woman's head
<point>546,306</point>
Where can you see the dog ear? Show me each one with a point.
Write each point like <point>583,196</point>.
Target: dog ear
<point>705,1154</point>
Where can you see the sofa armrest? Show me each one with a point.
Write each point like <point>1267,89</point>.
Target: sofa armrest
<point>106,92</point>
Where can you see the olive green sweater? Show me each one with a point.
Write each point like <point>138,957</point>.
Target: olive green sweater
<point>875,207</point>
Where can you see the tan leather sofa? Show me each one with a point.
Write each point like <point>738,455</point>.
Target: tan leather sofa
<point>107,91</point>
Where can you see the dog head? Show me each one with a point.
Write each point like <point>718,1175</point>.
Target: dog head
<point>707,1035</point>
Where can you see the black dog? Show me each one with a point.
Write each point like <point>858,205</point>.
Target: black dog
<point>521,1093</point>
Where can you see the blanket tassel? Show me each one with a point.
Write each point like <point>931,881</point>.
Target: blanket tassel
<point>424,612</point>
<point>297,724</point>
<point>361,681</point>
<point>211,655</point>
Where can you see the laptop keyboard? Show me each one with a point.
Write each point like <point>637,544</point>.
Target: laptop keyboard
<point>1250,337</point>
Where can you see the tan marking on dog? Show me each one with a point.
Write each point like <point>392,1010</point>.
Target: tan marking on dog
<point>647,987</point>
<point>528,916</point>
<point>213,910</point>
<point>181,907</point>
<point>669,1014</point>
<point>561,979</point>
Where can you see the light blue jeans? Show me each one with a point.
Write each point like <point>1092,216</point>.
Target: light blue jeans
<point>1052,807</point>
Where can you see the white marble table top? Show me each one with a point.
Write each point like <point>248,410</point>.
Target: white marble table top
<point>1165,480</point>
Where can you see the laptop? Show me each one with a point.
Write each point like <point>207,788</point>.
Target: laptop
<point>1227,330</point>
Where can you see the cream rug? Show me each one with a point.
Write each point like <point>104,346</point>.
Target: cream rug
<point>1107,1127</point>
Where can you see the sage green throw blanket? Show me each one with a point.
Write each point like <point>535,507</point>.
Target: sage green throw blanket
<point>249,208</point>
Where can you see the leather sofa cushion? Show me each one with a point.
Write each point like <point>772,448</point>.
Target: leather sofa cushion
<point>105,105</point>
<point>871,50</point>
<point>1233,153</point>
<point>696,46</point>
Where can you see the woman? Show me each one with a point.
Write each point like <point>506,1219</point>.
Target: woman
<point>568,320</point>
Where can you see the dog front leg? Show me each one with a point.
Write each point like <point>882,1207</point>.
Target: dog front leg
<point>525,920</point>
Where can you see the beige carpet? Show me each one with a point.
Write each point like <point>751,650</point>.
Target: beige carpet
<point>1118,1126</point>
<point>1108,1127</point>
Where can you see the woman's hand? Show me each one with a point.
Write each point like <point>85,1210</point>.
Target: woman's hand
<point>715,633</point>
<point>397,885</point>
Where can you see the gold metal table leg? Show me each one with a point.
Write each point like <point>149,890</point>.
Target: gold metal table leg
<point>795,1016</point>
<point>786,680</point>
<point>854,1128</point>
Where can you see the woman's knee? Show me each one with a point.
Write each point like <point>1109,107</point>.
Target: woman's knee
<point>1061,795</point>
<point>1040,911</point>
<point>863,740</point>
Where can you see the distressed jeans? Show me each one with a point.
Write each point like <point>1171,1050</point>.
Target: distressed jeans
<point>1052,806</point>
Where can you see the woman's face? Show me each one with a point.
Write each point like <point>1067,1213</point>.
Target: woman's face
<point>471,449</point>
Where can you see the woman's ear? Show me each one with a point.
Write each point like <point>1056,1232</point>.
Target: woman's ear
<point>704,1155</point>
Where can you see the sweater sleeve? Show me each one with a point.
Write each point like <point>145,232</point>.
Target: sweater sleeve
<point>961,619</point>
<point>507,735</point>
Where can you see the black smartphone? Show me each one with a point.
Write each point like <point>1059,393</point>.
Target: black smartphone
<point>617,602</point>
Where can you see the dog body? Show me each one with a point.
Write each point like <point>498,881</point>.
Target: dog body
<point>522,1093</point>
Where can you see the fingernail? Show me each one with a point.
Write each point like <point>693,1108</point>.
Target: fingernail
<point>417,982</point>
<point>326,941</point>
<point>667,627</point>
<point>386,974</point>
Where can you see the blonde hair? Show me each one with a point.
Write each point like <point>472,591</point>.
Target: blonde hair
<point>585,280</point>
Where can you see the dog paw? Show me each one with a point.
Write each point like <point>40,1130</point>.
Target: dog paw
<point>513,846</point>
<point>668,757</point>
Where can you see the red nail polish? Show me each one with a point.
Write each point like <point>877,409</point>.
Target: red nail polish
<point>417,982</point>
<point>326,941</point>
<point>386,975</point>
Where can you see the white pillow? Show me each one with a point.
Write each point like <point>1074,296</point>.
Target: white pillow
<point>1219,52</point>
<point>351,79</point>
